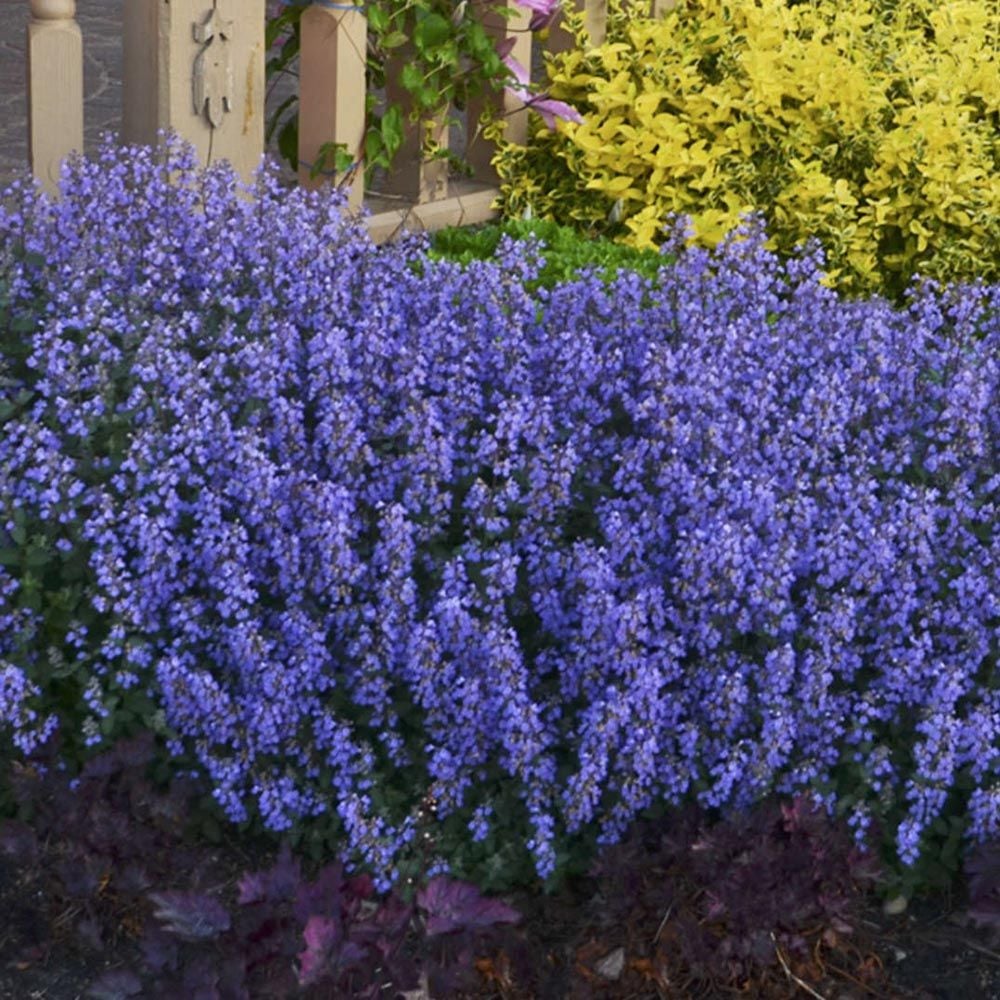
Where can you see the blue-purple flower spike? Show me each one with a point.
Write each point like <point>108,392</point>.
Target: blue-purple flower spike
<point>713,536</point>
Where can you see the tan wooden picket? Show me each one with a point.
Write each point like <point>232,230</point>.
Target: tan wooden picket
<point>197,67</point>
<point>55,87</point>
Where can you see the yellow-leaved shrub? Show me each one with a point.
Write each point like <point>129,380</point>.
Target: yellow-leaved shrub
<point>873,125</point>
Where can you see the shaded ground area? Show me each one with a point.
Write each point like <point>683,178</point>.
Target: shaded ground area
<point>928,953</point>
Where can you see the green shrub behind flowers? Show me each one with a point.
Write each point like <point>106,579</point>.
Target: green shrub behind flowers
<point>873,126</point>
<point>565,253</point>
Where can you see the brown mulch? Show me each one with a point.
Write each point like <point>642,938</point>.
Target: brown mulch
<point>41,957</point>
<point>927,953</point>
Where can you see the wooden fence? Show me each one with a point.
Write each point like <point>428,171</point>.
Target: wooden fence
<point>197,66</point>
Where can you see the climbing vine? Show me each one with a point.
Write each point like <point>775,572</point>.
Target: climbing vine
<point>451,59</point>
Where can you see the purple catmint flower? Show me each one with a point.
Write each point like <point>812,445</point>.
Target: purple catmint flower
<point>342,513</point>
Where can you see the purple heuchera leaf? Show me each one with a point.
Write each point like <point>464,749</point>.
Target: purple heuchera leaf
<point>801,814</point>
<point>277,884</point>
<point>383,929</point>
<point>327,951</point>
<point>451,905</point>
<point>863,866</point>
<point>985,912</point>
<point>201,979</point>
<point>132,879</point>
<point>116,984</point>
<point>716,907</point>
<point>80,877</point>
<point>360,886</point>
<point>159,949</point>
<point>191,915</point>
<point>322,896</point>
<point>455,977</point>
<point>982,868</point>
<point>323,936</point>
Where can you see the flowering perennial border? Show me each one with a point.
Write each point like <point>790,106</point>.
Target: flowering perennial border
<point>352,529</point>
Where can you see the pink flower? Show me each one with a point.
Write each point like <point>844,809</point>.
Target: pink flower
<point>544,12</point>
<point>547,107</point>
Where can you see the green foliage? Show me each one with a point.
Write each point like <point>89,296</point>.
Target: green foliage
<point>51,559</point>
<point>450,60</point>
<point>567,252</point>
<point>873,126</point>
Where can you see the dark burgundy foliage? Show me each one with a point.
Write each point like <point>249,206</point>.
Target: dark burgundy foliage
<point>18,841</point>
<point>696,904</point>
<point>116,984</point>
<point>115,850</point>
<point>732,896</point>
<point>982,869</point>
<point>453,906</point>
<point>190,915</point>
<point>275,885</point>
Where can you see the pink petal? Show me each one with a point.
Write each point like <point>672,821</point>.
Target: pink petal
<point>539,6</point>
<point>544,12</point>
<point>550,110</point>
<point>520,73</point>
<point>547,107</point>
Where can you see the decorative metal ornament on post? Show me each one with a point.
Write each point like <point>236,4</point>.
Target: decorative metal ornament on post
<point>213,71</point>
<point>196,67</point>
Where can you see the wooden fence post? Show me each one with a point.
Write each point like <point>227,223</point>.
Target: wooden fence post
<point>595,19</point>
<point>55,88</point>
<point>197,67</point>
<point>411,176</point>
<point>332,91</point>
<point>479,153</point>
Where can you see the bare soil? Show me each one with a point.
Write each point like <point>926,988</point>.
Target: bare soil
<point>929,952</point>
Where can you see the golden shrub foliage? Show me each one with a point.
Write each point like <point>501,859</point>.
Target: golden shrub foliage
<point>873,125</point>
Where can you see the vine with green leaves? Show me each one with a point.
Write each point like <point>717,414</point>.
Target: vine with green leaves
<point>452,59</point>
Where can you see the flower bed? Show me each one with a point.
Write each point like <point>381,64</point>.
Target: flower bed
<point>353,531</point>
